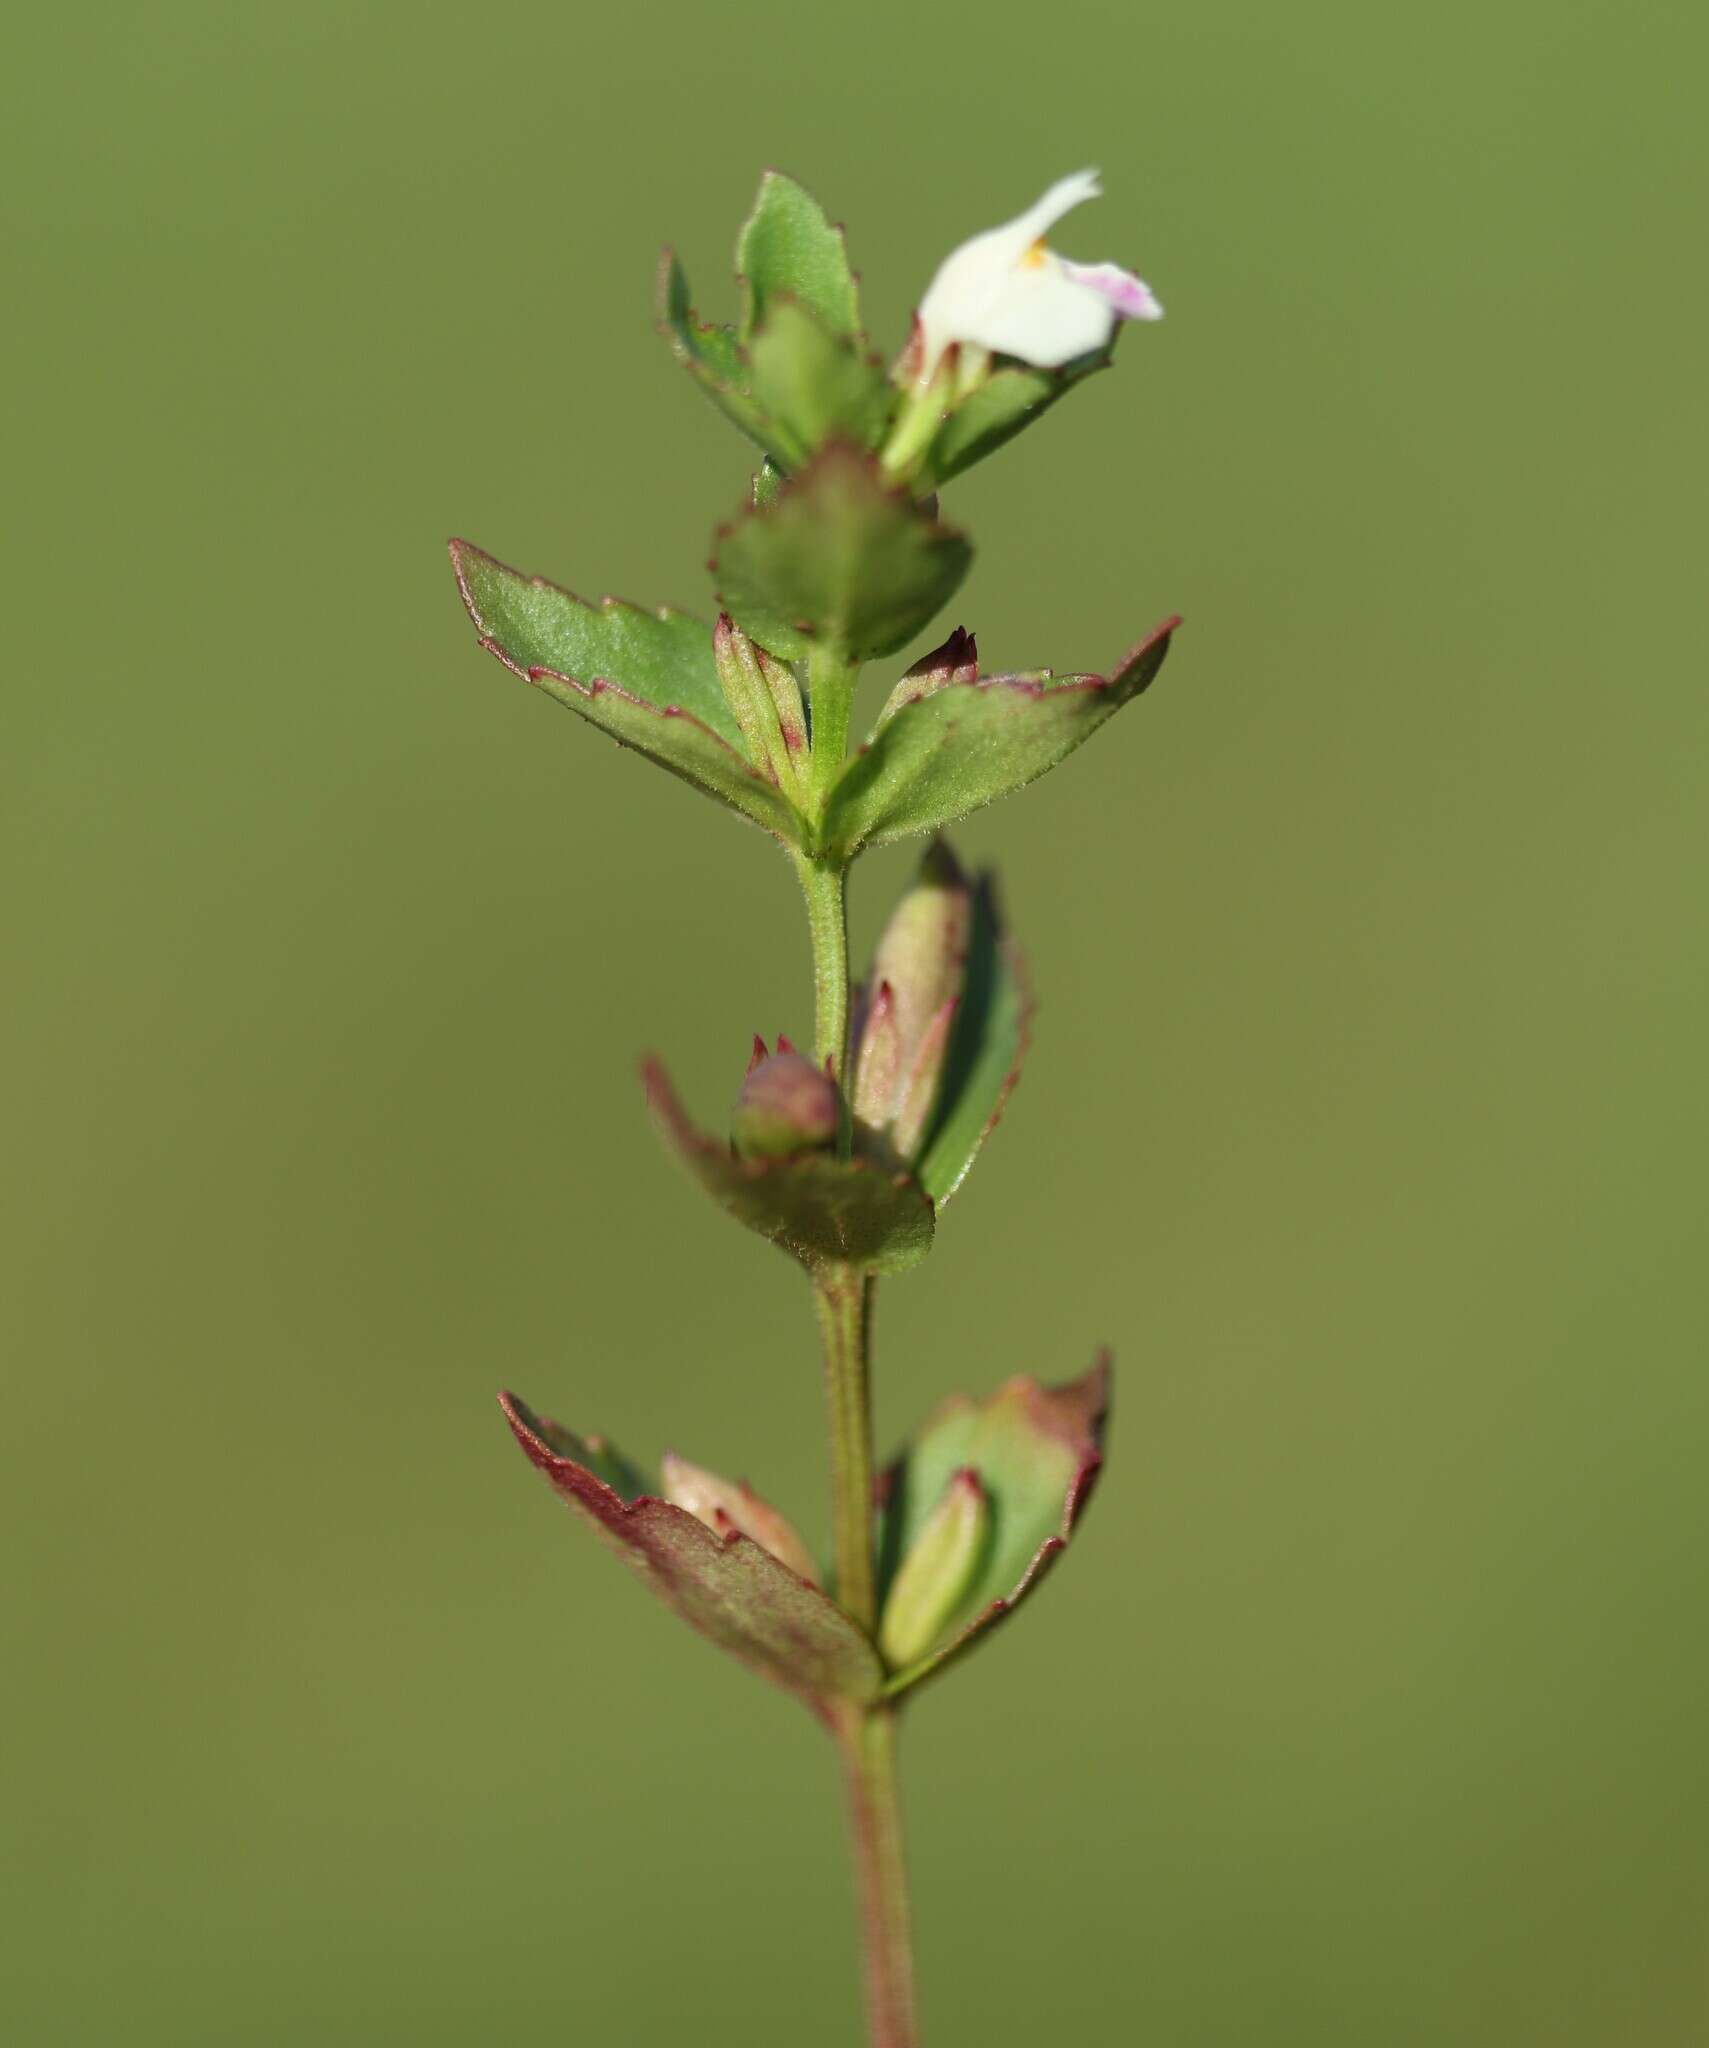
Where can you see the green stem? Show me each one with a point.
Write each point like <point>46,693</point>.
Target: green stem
<point>824,880</point>
<point>868,1743</point>
<point>843,1298</point>
<point>824,885</point>
<point>830,698</point>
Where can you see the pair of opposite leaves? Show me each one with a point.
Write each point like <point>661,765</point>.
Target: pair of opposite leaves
<point>650,681</point>
<point>1036,1452</point>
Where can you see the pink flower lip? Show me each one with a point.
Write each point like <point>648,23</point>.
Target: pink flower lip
<point>1129,297</point>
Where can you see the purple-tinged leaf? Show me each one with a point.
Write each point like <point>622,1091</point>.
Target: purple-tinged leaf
<point>648,679</point>
<point>967,744</point>
<point>728,1587</point>
<point>822,1209</point>
<point>1036,1452</point>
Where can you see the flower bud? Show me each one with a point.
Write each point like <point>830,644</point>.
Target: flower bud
<point>917,977</point>
<point>733,1510</point>
<point>956,661</point>
<point>938,1572</point>
<point>765,701</point>
<point>786,1105</point>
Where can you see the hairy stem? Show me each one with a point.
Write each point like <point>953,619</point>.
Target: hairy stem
<point>824,885</point>
<point>830,698</point>
<point>843,1298</point>
<point>868,1743</point>
<point>842,1295</point>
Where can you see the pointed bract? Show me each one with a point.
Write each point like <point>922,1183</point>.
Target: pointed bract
<point>965,745</point>
<point>956,661</point>
<point>728,1587</point>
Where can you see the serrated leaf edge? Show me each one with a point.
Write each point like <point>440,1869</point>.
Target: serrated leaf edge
<point>744,284</point>
<point>1157,639</point>
<point>838,449</point>
<point>766,789</point>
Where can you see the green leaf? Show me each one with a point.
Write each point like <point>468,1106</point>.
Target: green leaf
<point>969,743</point>
<point>817,1207</point>
<point>839,561</point>
<point>788,247</point>
<point>813,386</point>
<point>647,678</point>
<point>711,355</point>
<point>1006,402</point>
<point>728,1587</point>
<point>992,1023</point>
<point>663,657</point>
<point>1036,1452</point>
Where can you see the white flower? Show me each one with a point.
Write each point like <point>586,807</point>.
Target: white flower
<point>1006,292</point>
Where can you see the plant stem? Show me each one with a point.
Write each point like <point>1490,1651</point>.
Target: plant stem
<point>843,1298</point>
<point>830,699</point>
<point>824,884</point>
<point>866,1736</point>
<point>868,1743</point>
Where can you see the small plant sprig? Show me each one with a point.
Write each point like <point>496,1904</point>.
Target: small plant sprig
<point>848,1159</point>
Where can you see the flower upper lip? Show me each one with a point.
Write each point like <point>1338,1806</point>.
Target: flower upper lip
<point>1005,291</point>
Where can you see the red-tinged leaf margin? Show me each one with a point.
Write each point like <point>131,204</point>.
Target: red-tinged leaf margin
<point>704,759</point>
<point>726,1587</point>
<point>1077,1412</point>
<point>816,1206</point>
<point>853,822</point>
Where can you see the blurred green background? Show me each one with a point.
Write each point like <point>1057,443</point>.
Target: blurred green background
<point>1366,1114</point>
